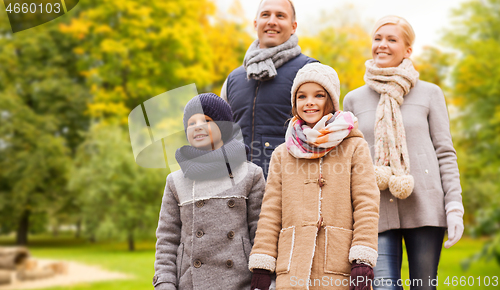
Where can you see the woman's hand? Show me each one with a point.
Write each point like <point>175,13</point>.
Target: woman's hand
<point>455,227</point>
<point>261,279</point>
<point>365,273</point>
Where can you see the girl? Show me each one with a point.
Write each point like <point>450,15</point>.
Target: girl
<point>210,207</point>
<point>405,121</point>
<point>320,209</point>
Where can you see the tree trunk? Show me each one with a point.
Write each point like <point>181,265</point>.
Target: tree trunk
<point>22,230</point>
<point>131,245</point>
<point>78,229</point>
<point>55,231</point>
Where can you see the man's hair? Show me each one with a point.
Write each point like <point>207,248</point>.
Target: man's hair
<point>289,1</point>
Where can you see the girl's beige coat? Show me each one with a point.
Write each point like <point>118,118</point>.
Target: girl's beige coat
<point>288,240</point>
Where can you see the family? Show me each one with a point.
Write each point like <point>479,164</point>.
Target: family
<point>312,197</point>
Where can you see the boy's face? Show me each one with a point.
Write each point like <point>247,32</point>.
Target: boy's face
<point>203,133</point>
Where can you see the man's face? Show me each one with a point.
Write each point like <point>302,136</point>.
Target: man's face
<point>274,23</point>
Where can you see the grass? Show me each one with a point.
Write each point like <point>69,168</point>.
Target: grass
<point>114,256</point>
<point>450,266</point>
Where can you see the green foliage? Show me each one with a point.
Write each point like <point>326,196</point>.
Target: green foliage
<point>476,93</point>
<point>41,111</point>
<point>119,199</point>
<point>99,61</point>
<point>434,66</point>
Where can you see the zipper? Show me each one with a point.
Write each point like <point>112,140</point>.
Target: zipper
<point>253,120</point>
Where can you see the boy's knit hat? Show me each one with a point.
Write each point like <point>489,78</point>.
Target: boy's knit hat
<point>321,74</point>
<point>211,105</point>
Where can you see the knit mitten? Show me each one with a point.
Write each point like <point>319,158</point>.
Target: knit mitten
<point>455,227</point>
<point>261,279</point>
<point>360,274</point>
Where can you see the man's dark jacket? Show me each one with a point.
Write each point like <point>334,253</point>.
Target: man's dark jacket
<point>262,108</point>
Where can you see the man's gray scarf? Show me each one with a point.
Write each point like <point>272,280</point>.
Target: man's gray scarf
<point>261,63</point>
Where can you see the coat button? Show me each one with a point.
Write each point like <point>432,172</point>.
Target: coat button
<point>229,263</point>
<point>200,203</point>
<point>197,264</point>
<point>267,144</point>
<point>426,171</point>
<point>231,203</point>
<point>155,279</point>
<point>230,235</point>
<point>391,200</point>
<point>199,233</point>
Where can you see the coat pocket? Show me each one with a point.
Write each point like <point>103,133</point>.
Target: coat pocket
<point>285,250</point>
<point>178,262</point>
<point>247,247</point>
<point>338,244</point>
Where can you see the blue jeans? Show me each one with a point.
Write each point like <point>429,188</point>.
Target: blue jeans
<point>423,247</point>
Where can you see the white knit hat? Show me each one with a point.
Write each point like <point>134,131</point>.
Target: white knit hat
<point>321,74</point>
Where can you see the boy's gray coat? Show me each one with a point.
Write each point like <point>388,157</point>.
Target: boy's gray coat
<point>206,230</point>
<point>433,160</point>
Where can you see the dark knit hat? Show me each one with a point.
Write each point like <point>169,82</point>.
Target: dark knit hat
<point>211,105</point>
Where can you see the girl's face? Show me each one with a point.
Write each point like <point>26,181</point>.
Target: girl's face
<point>388,46</point>
<point>311,102</point>
<point>203,133</point>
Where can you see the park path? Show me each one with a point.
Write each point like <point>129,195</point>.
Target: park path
<point>77,273</point>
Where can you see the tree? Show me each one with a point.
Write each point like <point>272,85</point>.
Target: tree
<point>133,50</point>
<point>435,66</point>
<point>42,102</point>
<point>130,52</point>
<point>476,90</point>
<point>118,198</point>
<point>346,49</point>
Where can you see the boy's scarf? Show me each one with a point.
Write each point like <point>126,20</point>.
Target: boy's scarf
<point>261,63</point>
<point>305,142</point>
<point>392,84</point>
<point>199,164</point>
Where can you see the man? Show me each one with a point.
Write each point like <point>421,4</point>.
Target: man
<point>259,90</point>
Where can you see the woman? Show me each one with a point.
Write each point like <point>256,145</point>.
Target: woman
<point>405,121</point>
<point>318,224</point>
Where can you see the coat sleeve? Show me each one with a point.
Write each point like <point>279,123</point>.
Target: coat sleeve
<point>254,201</point>
<point>365,197</point>
<point>223,91</point>
<point>168,236</point>
<point>346,103</point>
<point>439,128</point>
<point>265,248</point>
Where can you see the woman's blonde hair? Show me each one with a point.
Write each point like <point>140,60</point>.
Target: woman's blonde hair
<point>408,33</point>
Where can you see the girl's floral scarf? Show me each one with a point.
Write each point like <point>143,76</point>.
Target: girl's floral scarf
<point>305,142</point>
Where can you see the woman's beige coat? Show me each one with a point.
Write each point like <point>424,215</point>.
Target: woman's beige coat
<point>288,241</point>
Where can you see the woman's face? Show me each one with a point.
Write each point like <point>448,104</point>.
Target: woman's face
<point>311,103</point>
<point>203,133</point>
<point>388,46</point>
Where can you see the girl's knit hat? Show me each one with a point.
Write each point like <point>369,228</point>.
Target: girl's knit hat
<point>211,105</point>
<point>321,74</point>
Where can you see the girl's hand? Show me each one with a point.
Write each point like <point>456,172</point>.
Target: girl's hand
<point>261,279</point>
<point>364,272</point>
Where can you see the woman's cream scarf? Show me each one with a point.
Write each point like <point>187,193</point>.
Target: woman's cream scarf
<point>392,163</point>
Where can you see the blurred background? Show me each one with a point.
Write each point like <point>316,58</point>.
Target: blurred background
<point>69,186</point>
